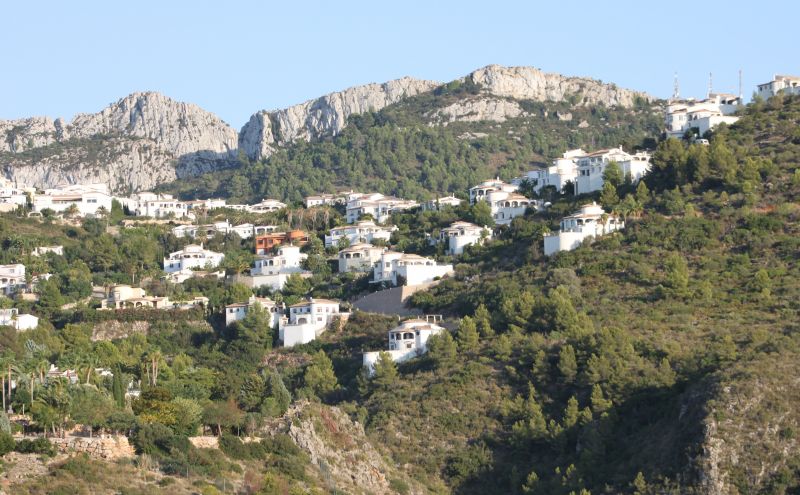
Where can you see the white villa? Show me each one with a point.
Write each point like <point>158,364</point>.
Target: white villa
<point>462,234</point>
<point>87,198</point>
<point>266,205</point>
<point>592,166</point>
<point>148,204</point>
<point>788,85</point>
<point>244,231</point>
<point>407,269</point>
<point>12,278</point>
<point>237,311</point>
<point>379,206</point>
<point>360,257</point>
<point>505,203</point>
<point>192,256</point>
<point>20,322</point>
<point>127,297</point>
<point>274,270</point>
<point>563,170</point>
<point>703,115</point>
<point>365,231</point>
<point>590,221</point>
<point>43,250</point>
<point>437,204</point>
<point>307,320</point>
<point>327,199</point>
<point>185,274</point>
<point>407,341</point>
<point>12,196</point>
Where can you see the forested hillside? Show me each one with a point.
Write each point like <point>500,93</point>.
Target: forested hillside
<point>404,150</point>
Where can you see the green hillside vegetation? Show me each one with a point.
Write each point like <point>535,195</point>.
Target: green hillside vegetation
<point>660,359</point>
<point>395,151</point>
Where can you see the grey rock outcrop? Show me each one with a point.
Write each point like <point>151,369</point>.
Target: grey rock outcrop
<point>323,116</point>
<point>140,141</point>
<point>477,110</point>
<point>528,83</point>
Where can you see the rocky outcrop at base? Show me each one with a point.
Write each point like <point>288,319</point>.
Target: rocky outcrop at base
<point>109,448</point>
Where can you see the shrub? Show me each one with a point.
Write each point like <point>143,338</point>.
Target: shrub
<point>7,443</point>
<point>40,445</point>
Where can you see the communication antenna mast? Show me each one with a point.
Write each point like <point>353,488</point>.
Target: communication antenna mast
<point>710,84</point>
<point>741,95</point>
<point>676,90</point>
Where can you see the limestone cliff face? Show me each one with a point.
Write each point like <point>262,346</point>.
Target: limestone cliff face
<point>140,141</point>
<point>528,83</point>
<point>324,116</point>
<point>477,110</point>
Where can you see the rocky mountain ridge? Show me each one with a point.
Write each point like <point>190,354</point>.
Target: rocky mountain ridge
<point>147,139</point>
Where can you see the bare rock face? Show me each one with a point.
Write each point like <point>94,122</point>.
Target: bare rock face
<point>477,110</point>
<point>324,116</point>
<point>142,140</point>
<point>528,83</point>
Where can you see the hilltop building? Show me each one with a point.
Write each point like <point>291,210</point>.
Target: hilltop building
<point>12,278</point>
<point>377,205</point>
<point>360,257</point>
<point>266,242</point>
<point>307,320</point>
<point>592,166</point>
<point>192,256</point>
<point>563,170</point>
<point>237,311</point>
<point>462,234</point>
<point>788,85</point>
<point>364,231</point>
<point>589,222</point>
<point>505,203</point>
<point>406,341</point>
<point>87,198</point>
<point>439,203</point>
<point>407,269</point>
<point>20,322</point>
<point>702,115</point>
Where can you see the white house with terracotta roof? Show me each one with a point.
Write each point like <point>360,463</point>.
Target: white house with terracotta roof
<point>407,340</point>
<point>360,257</point>
<point>505,203</point>
<point>364,231</point>
<point>407,269</point>
<point>157,205</point>
<point>592,166</point>
<point>479,192</point>
<point>703,115</point>
<point>266,206</point>
<point>589,222</point>
<point>563,170</point>
<point>307,320</point>
<point>20,322</point>
<point>237,311</point>
<point>327,199</point>
<point>87,198</point>
<point>192,256</point>
<point>377,205</point>
<point>126,297</point>
<point>788,85</point>
<point>12,278</point>
<point>244,231</point>
<point>462,234</point>
<point>185,274</point>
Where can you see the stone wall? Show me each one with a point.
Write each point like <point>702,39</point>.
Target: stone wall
<point>112,447</point>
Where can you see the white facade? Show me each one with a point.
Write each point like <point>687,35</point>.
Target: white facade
<point>788,85</point>
<point>682,115</point>
<point>192,256</point>
<point>273,271</point>
<point>266,205</point>
<point>359,257</point>
<point>244,231</point>
<point>379,206</point>
<point>12,278</point>
<point>592,166</point>
<point>563,170</point>
<point>185,274</point>
<point>462,234</point>
<point>586,223</point>
<point>236,312</point>
<point>127,297</point>
<point>411,269</point>
<point>479,192</point>
<point>307,320</point>
<point>366,231</point>
<point>148,204</point>
<point>12,196</point>
<point>87,198</point>
<point>20,322</point>
<point>437,204</point>
<point>327,199</point>
<point>406,341</point>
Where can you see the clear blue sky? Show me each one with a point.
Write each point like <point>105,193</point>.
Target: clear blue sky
<point>236,57</point>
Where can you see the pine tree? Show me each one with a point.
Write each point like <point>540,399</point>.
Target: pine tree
<point>484,321</point>
<point>385,376</point>
<point>567,363</point>
<point>319,376</point>
<point>467,335</point>
<point>599,403</point>
<point>608,196</point>
<point>642,193</point>
<point>442,349</point>
<point>118,389</point>
<point>571,413</point>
